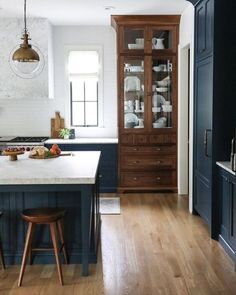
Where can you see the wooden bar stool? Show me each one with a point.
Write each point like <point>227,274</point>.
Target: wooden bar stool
<point>1,250</point>
<point>54,218</point>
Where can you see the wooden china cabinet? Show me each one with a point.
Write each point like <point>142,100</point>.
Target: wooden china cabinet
<point>147,101</point>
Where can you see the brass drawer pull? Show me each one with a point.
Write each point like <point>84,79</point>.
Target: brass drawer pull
<point>136,162</point>
<point>158,178</point>
<point>159,162</point>
<point>158,149</point>
<point>135,178</point>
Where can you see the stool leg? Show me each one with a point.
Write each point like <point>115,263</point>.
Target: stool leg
<point>28,242</point>
<point>1,255</point>
<point>53,229</point>
<point>61,234</point>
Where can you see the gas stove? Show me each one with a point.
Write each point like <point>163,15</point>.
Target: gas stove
<point>26,143</point>
<point>26,139</point>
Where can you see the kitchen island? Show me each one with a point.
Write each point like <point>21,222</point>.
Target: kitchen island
<point>70,182</point>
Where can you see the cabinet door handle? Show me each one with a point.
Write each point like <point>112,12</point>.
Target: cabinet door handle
<point>135,178</point>
<point>158,149</point>
<point>100,175</point>
<point>205,142</point>
<point>135,149</point>
<point>158,178</point>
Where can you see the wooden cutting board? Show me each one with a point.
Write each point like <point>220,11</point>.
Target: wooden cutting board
<point>57,123</point>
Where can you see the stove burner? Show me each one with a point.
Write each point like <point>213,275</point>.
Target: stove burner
<point>29,139</point>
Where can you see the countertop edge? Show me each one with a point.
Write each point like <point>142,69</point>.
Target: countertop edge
<point>226,166</point>
<point>82,141</point>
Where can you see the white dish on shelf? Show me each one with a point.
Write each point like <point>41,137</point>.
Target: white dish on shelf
<point>156,69</point>
<point>167,108</point>
<point>162,89</point>
<point>136,69</point>
<point>157,100</point>
<point>158,124</point>
<point>163,83</point>
<point>131,118</point>
<point>156,109</point>
<point>135,46</point>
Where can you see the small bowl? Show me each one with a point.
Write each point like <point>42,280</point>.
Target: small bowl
<point>158,125</point>
<point>162,89</point>
<point>163,83</point>
<point>156,69</point>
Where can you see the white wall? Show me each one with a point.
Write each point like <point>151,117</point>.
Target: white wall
<point>185,104</point>
<point>27,116</point>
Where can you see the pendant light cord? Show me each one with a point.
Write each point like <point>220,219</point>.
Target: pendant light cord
<point>25,16</point>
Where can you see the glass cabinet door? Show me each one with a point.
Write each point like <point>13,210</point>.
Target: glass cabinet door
<point>133,38</point>
<point>134,93</point>
<point>162,93</point>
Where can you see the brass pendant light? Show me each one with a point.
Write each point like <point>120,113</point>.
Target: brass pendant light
<point>25,61</point>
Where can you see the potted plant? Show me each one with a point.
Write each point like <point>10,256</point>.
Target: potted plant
<point>64,133</point>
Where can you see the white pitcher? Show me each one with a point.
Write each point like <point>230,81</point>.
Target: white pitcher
<point>157,43</point>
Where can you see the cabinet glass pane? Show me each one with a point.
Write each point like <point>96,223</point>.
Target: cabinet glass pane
<point>133,39</point>
<point>161,39</point>
<point>133,93</point>
<point>161,93</point>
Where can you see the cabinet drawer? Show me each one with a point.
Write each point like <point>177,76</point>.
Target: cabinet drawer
<point>157,179</point>
<point>162,138</point>
<point>129,162</point>
<point>159,149</point>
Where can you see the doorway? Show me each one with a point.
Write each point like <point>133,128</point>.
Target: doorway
<point>184,122</point>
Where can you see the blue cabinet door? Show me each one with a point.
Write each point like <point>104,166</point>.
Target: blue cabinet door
<point>203,100</point>
<point>204,28</point>
<point>224,194</point>
<point>232,213</point>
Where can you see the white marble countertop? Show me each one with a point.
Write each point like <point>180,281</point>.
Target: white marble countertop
<point>82,140</point>
<point>226,166</point>
<point>79,168</point>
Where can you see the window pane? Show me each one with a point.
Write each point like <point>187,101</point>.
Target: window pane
<point>77,113</point>
<point>91,113</point>
<point>91,89</point>
<point>78,90</point>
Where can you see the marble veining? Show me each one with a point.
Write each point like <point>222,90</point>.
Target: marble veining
<point>79,168</point>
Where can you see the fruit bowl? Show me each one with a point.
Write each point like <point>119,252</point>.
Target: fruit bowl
<point>12,153</point>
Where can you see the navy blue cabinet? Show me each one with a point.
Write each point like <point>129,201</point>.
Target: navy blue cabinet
<point>108,162</point>
<point>214,102</point>
<point>227,194</point>
<point>203,138</point>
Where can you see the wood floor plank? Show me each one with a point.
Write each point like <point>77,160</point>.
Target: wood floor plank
<point>155,247</point>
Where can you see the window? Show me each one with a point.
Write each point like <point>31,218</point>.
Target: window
<point>84,87</point>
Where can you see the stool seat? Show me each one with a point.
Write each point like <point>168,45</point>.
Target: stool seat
<point>43,215</point>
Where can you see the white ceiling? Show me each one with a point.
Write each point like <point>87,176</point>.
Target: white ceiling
<point>88,12</point>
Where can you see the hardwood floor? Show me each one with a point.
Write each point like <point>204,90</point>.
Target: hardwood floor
<point>154,247</point>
